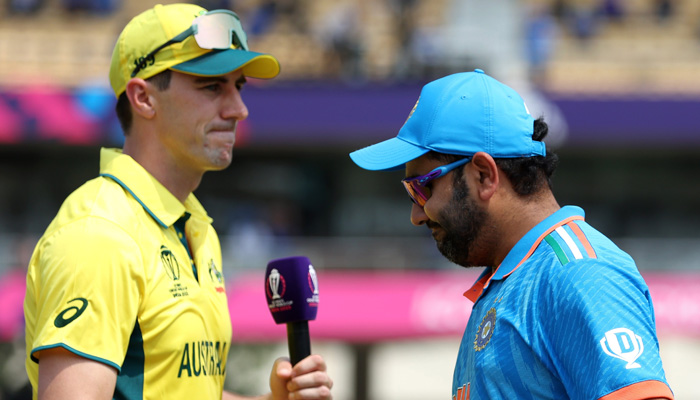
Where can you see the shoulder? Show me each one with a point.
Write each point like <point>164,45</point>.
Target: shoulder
<point>97,216</point>
<point>101,201</point>
<point>581,265</point>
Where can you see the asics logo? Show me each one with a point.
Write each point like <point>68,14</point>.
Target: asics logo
<point>70,314</point>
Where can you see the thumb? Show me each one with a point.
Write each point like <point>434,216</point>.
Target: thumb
<point>283,368</point>
<point>279,377</point>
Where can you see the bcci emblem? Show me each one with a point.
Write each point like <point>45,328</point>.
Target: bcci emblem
<point>622,343</point>
<point>483,335</point>
<point>274,281</point>
<point>172,268</point>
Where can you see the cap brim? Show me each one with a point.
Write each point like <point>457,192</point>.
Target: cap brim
<point>221,62</point>
<point>388,155</point>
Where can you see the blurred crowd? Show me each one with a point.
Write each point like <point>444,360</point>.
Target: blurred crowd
<point>357,41</point>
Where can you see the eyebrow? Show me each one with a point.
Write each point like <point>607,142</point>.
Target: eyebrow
<point>220,79</point>
<point>208,79</point>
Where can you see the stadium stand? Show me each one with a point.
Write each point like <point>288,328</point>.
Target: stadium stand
<point>603,46</point>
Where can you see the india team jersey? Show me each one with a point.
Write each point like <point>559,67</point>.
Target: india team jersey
<point>565,316</point>
<point>128,276</point>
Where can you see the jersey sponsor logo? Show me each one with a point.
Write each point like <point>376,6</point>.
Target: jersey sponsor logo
<point>170,264</point>
<point>462,393</point>
<point>70,314</point>
<point>624,344</point>
<point>485,331</point>
<point>203,358</point>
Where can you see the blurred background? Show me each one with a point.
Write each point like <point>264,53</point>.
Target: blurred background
<point>617,80</point>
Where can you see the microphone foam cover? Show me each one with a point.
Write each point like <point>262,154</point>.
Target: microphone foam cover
<point>291,289</point>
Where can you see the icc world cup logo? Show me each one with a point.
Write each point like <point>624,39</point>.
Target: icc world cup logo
<point>274,281</point>
<point>172,268</point>
<point>622,343</point>
<point>313,280</point>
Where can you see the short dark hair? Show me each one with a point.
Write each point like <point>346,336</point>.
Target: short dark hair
<point>528,175</point>
<point>161,81</point>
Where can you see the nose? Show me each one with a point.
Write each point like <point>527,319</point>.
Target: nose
<point>418,215</point>
<point>234,107</point>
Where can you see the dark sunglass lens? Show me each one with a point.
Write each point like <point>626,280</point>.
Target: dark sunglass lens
<point>418,193</point>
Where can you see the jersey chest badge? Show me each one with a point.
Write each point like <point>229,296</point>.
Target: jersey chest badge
<point>172,269</point>
<point>485,331</point>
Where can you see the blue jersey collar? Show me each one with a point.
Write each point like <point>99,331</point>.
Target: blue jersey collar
<point>524,249</point>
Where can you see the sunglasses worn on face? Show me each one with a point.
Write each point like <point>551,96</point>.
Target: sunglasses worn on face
<point>416,187</point>
<point>216,29</point>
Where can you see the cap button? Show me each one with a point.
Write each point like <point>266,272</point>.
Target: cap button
<point>478,70</point>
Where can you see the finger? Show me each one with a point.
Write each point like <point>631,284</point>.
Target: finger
<point>320,393</point>
<point>311,363</point>
<point>311,380</point>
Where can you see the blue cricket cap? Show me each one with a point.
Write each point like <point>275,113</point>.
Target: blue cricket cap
<point>460,114</point>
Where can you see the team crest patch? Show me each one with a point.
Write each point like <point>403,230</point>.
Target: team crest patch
<point>214,272</point>
<point>483,335</point>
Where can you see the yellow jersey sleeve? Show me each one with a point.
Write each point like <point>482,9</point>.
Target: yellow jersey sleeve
<point>89,286</point>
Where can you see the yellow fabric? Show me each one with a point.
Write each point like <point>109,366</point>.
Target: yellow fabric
<point>153,27</point>
<point>110,275</point>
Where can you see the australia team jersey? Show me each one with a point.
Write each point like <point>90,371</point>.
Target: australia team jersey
<point>565,316</point>
<point>128,276</point>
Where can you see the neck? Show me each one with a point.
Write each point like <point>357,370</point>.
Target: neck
<point>519,218</point>
<point>179,181</point>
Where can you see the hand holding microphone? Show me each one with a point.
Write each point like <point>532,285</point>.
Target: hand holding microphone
<point>291,288</point>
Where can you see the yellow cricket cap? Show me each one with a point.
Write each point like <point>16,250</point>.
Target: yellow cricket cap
<point>156,26</point>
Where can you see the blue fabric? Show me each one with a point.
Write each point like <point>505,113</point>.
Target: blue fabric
<point>460,114</point>
<point>551,330</point>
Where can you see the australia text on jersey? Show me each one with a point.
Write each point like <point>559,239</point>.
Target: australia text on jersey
<point>203,358</point>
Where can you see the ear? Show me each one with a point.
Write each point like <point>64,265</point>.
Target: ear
<point>488,179</point>
<point>139,93</point>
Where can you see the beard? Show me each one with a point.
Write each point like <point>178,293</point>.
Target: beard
<point>462,223</point>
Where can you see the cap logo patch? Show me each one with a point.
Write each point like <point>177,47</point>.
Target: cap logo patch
<point>412,110</point>
<point>145,61</point>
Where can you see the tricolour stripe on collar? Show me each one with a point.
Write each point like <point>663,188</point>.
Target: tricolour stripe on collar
<point>525,247</point>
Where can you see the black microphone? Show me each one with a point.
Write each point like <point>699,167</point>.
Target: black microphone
<point>291,288</point>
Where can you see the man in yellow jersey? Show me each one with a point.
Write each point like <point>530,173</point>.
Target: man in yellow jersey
<point>125,297</point>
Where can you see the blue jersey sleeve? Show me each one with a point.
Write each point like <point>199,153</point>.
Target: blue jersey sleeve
<point>600,327</point>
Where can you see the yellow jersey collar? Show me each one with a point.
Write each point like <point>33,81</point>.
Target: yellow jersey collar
<point>151,194</point>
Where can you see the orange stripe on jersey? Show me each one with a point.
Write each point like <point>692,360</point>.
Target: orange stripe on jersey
<point>475,291</point>
<point>539,239</point>
<point>584,240</point>
<point>641,390</point>
<point>462,393</point>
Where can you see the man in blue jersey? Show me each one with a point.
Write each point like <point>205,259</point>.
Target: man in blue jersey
<point>560,312</point>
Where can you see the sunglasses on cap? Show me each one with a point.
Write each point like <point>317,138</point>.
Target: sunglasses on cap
<point>416,187</point>
<point>216,29</point>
